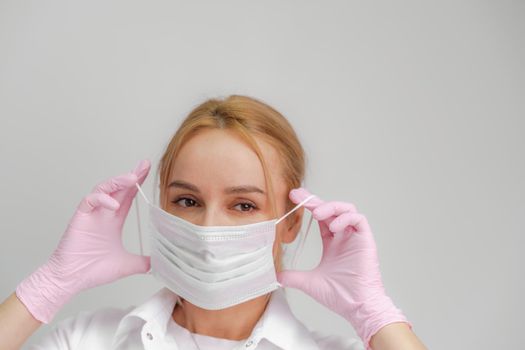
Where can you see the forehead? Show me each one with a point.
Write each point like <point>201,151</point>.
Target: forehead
<point>217,158</point>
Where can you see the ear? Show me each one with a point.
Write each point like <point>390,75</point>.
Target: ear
<point>292,225</point>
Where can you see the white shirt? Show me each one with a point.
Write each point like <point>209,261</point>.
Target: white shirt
<point>151,326</point>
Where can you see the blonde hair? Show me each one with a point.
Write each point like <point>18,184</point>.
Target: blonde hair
<point>247,117</point>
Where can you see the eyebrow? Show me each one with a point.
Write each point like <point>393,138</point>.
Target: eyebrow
<point>227,190</point>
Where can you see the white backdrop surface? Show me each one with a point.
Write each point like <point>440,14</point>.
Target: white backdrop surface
<point>413,111</point>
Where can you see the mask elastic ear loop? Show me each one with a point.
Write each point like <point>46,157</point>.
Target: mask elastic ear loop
<point>302,239</point>
<point>142,193</point>
<point>300,246</point>
<point>138,216</point>
<point>294,209</point>
<point>138,224</point>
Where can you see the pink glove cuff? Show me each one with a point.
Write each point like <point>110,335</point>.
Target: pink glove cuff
<point>41,295</point>
<point>369,317</point>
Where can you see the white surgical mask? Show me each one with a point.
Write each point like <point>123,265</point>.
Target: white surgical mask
<point>213,267</point>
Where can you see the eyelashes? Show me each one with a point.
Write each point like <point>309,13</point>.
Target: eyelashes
<point>188,203</point>
<point>249,206</point>
<point>186,200</point>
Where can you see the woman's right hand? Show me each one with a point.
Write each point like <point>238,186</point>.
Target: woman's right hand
<point>90,252</point>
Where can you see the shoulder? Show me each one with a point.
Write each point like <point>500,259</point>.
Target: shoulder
<point>71,331</point>
<point>336,342</point>
<point>100,319</point>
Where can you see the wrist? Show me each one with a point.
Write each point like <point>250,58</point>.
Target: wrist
<point>370,316</point>
<point>43,294</point>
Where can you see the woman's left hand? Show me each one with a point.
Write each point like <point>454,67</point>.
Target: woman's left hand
<point>347,279</point>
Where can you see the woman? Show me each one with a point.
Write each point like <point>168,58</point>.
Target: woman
<point>235,162</point>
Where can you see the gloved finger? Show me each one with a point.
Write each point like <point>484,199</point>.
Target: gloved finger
<point>116,183</point>
<point>355,220</point>
<point>95,200</point>
<point>294,279</point>
<point>324,229</point>
<point>133,264</point>
<point>297,195</point>
<point>142,170</point>
<point>342,223</point>
<point>126,197</point>
<point>335,208</point>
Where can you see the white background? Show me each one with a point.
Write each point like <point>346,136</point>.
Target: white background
<point>412,110</point>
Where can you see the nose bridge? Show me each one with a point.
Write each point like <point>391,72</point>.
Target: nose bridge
<point>211,215</point>
<point>208,217</point>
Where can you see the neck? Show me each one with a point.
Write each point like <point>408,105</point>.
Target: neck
<point>234,323</point>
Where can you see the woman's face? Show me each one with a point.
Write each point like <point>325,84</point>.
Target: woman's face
<point>218,180</point>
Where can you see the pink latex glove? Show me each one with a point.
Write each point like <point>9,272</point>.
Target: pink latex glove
<point>90,252</point>
<point>347,279</point>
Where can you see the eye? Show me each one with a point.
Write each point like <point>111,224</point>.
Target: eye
<point>185,202</point>
<point>245,206</point>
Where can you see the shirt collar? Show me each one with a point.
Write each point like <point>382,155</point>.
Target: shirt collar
<point>277,324</point>
<point>280,326</point>
<point>157,309</point>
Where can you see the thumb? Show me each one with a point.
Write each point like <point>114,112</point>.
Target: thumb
<point>135,264</point>
<point>294,279</point>
<point>142,169</point>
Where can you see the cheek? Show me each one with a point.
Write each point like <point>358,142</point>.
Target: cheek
<point>277,252</point>
<point>278,240</point>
